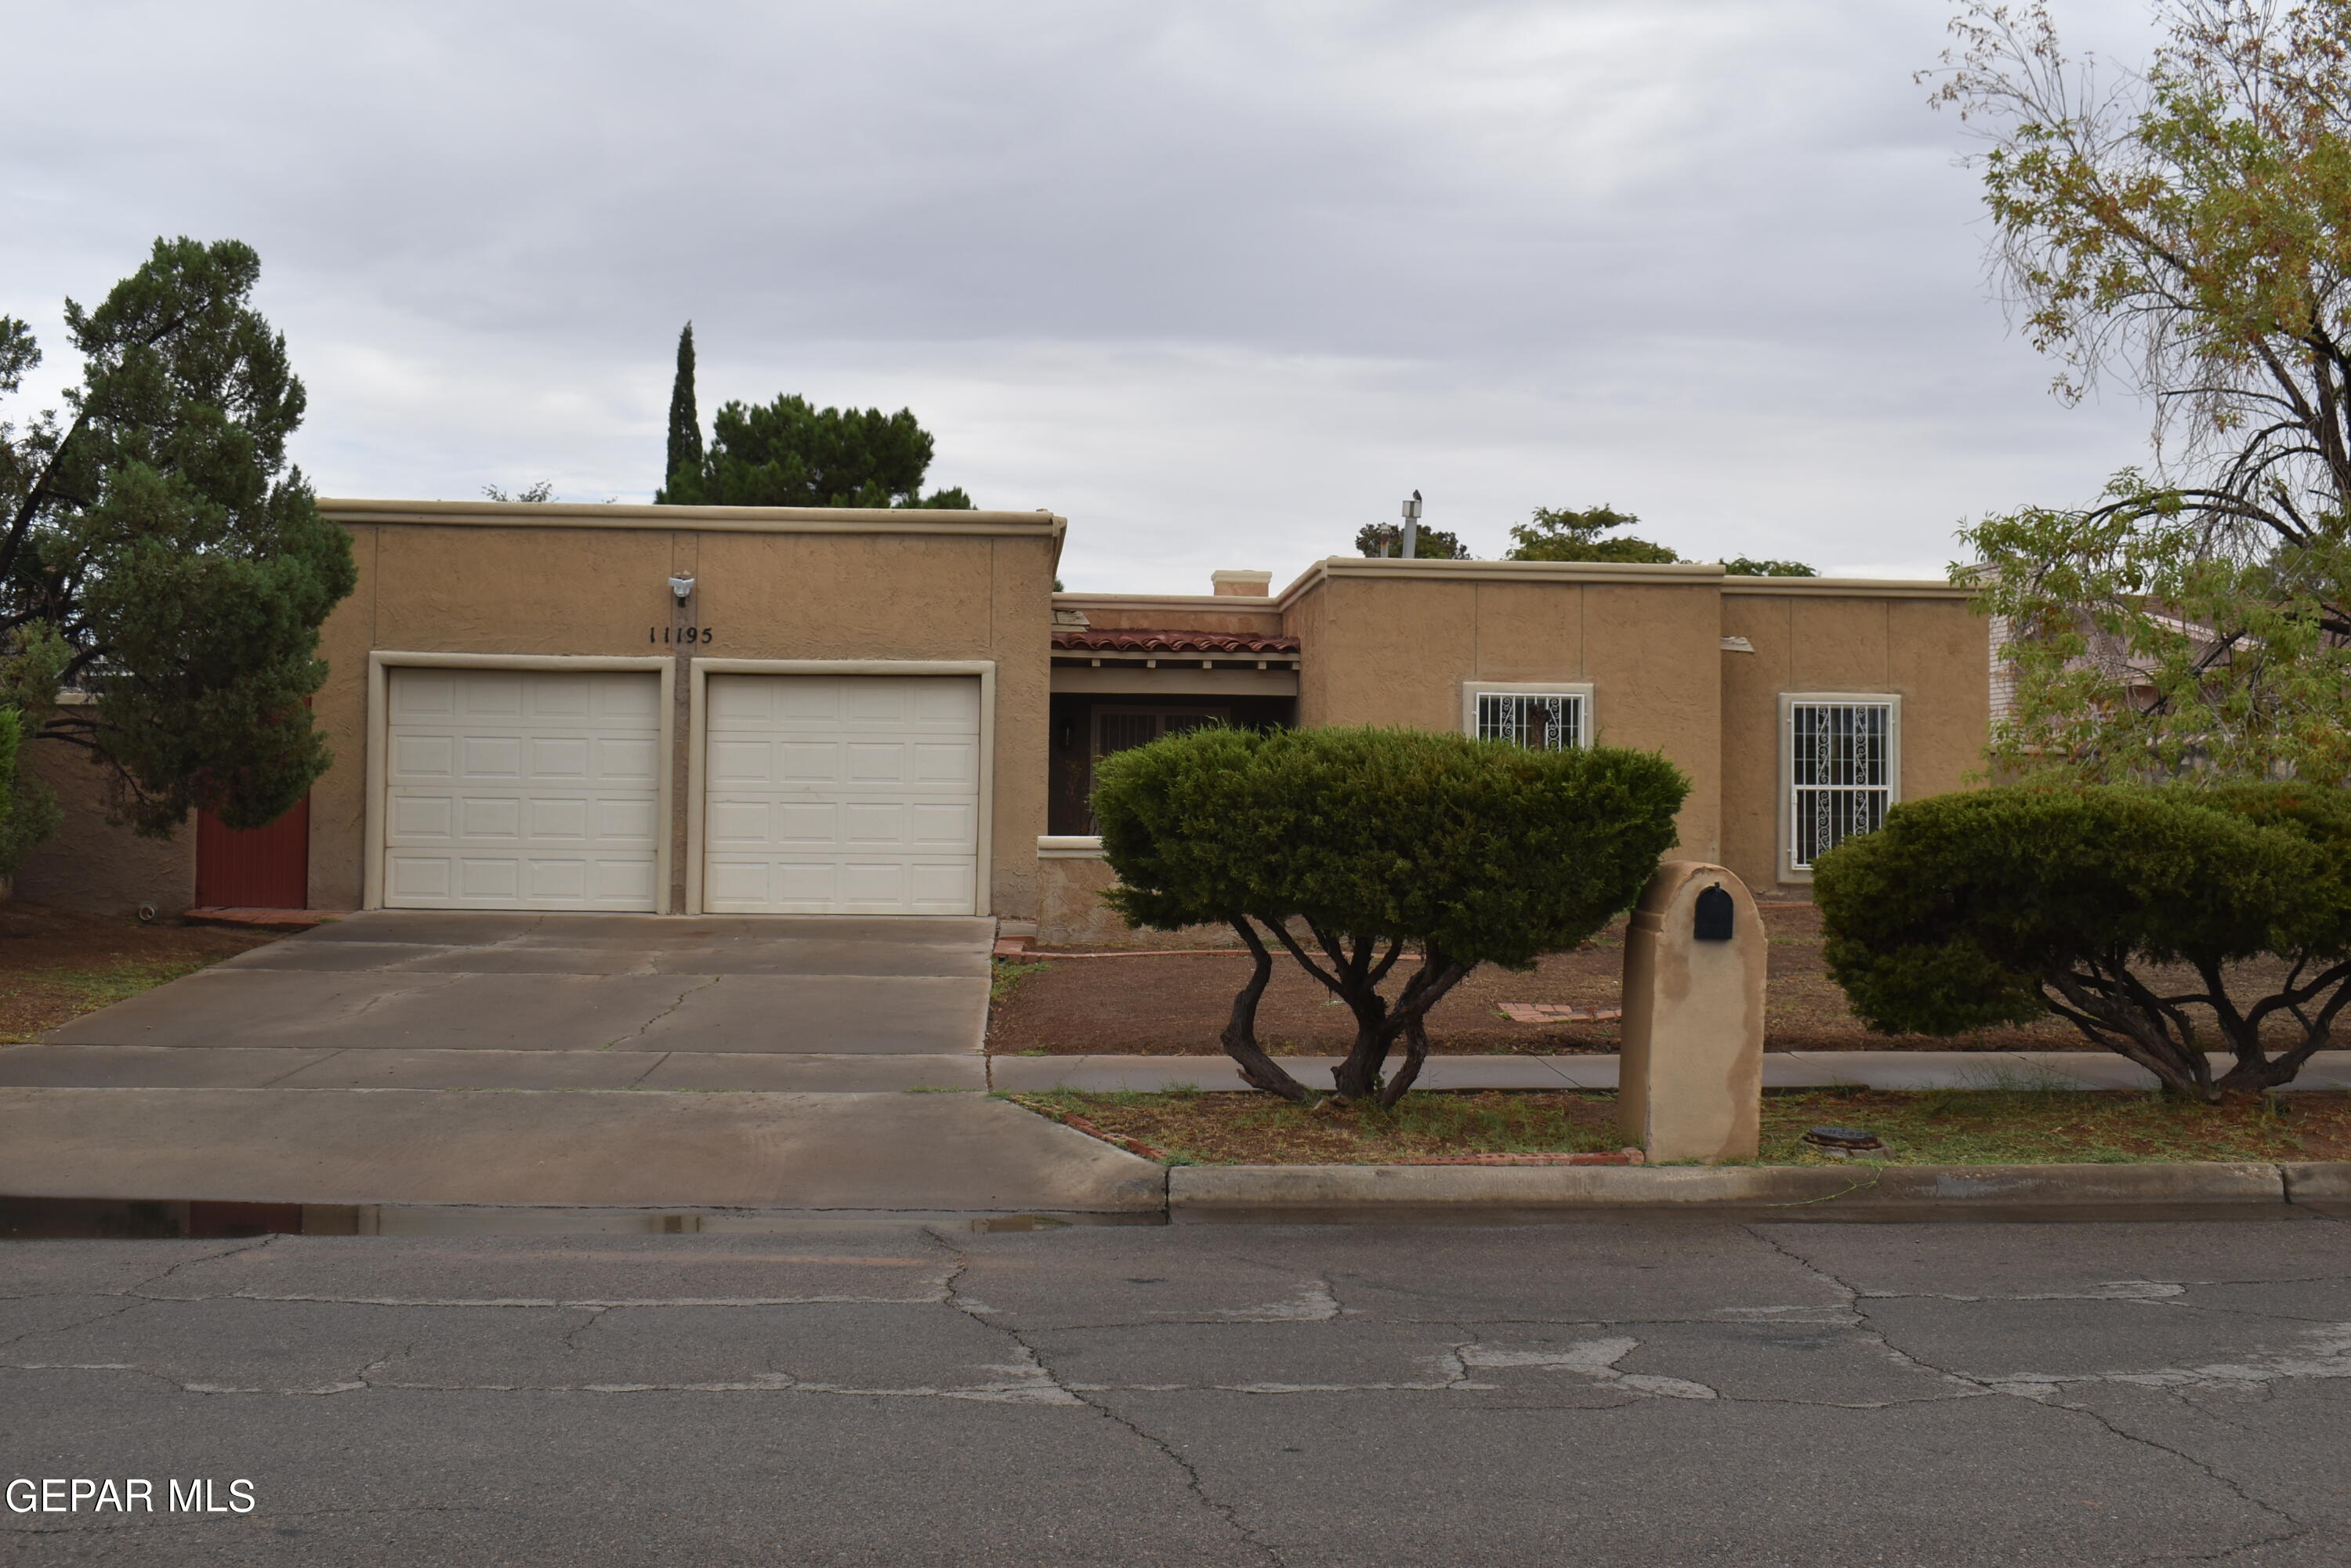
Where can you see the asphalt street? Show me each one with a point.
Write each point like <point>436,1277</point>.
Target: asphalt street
<point>855,1391</point>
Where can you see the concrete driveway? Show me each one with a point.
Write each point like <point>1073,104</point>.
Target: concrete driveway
<point>417,1000</point>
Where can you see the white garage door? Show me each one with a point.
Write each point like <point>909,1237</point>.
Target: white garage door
<point>522,789</point>
<point>842,795</point>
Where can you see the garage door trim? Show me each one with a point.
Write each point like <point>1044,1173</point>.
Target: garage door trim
<point>381,663</point>
<point>698,764</point>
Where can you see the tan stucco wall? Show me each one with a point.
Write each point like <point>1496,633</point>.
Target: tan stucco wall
<point>1204,613</point>
<point>1930,651</point>
<point>1395,648</point>
<point>91,864</point>
<point>1070,913</point>
<point>579,586</point>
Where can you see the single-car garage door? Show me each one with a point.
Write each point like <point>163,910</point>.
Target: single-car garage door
<point>522,789</point>
<point>842,795</point>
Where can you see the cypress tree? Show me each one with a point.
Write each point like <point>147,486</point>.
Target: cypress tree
<point>685,421</point>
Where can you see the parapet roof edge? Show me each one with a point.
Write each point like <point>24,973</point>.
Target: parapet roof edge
<point>1849,586</point>
<point>725,519</point>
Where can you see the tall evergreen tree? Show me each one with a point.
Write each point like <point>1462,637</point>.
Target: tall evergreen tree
<point>685,421</point>
<point>790,452</point>
<point>161,556</point>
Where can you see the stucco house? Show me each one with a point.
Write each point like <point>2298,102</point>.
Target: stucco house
<point>735,710</point>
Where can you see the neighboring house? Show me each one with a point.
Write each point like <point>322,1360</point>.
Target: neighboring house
<point>885,712</point>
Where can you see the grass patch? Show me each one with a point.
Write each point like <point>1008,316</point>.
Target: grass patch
<point>37,999</point>
<point>2025,1124</point>
<point>1005,977</point>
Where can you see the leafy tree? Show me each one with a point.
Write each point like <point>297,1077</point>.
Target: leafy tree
<point>160,555</point>
<point>1428,544</point>
<point>1747,565</point>
<point>2187,230</point>
<point>684,422</point>
<point>1344,846</point>
<point>1557,533</point>
<point>789,453</point>
<point>2089,903</point>
<point>537,493</point>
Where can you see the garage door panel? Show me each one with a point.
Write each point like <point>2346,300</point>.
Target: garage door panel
<point>485,818</point>
<point>635,760</point>
<point>870,786</point>
<point>558,821</point>
<point>811,822</point>
<point>556,757</point>
<point>424,694</point>
<point>874,822</point>
<point>627,820</point>
<point>489,756</point>
<point>733,822</point>
<point>408,876</point>
<point>806,762</point>
<point>481,695</point>
<point>423,757</point>
<point>556,803</point>
<point>935,763</point>
<point>871,762</point>
<point>416,817</point>
<point>935,827</point>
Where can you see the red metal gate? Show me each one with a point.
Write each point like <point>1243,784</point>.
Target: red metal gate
<point>261,868</point>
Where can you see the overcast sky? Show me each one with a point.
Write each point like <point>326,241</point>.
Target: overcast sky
<point>1220,283</point>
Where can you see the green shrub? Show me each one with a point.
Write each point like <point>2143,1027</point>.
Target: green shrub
<point>2007,904</point>
<point>1346,845</point>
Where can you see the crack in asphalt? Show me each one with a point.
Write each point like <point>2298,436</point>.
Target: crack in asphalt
<point>988,1317</point>
<point>2043,1393</point>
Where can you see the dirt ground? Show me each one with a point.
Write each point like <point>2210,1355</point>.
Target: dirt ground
<point>54,965</point>
<point>1932,1127</point>
<point>1174,1005</point>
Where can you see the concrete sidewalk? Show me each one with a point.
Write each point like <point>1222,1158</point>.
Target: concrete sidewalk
<point>583,1149</point>
<point>1782,1070</point>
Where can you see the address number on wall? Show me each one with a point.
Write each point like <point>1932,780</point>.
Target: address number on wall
<point>680,635</point>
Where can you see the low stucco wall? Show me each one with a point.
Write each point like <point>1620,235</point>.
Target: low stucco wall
<point>1071,877</point>
<point>92,866</point>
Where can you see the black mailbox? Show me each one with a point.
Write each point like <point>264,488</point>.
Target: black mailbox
<point>1714,913</point>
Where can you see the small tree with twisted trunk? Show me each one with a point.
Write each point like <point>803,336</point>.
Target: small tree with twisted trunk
<point>1350,848</point>
<point>2127,911</point>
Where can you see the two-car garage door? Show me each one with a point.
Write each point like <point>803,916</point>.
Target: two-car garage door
<point>541,790</point>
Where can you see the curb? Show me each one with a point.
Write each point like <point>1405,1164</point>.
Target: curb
<point>1371,1187</point>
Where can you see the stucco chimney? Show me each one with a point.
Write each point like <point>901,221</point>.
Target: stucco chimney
<point>1242,584</point>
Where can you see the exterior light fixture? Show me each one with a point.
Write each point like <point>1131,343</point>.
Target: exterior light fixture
<point>682,587</point>
<point>1412,528</point>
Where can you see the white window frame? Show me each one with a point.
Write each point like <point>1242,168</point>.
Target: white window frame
<point>1790,871</point>
<point>1587,726</point>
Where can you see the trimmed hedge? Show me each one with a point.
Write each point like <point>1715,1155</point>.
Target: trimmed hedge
<point>2007,904</point>
<point>1356,839</point>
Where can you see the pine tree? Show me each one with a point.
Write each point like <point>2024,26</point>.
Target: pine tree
<point>685,421</point>
<point>161,556</point>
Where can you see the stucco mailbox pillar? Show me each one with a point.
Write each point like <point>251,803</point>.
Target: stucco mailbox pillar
<point>1691,1083</point>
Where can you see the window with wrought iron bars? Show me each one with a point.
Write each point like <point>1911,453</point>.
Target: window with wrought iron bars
<point>1543,722</point>
<point>1841,774</point>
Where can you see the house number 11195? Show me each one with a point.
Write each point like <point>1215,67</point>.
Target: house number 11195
<point>679,635</point>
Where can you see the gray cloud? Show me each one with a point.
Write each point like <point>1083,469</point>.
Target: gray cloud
<point>1220,281</point>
